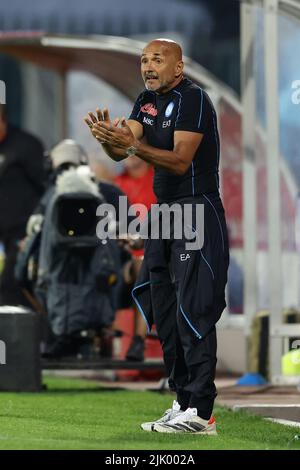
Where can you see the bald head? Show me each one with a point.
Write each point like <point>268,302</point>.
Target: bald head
<point>162,65</point>
<point>168,46</point>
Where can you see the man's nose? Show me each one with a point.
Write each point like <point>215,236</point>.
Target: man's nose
<point>148,68</point>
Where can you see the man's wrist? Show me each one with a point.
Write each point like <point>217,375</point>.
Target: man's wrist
<point>132,149</point>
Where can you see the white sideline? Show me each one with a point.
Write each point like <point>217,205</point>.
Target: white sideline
<point>285,422</point>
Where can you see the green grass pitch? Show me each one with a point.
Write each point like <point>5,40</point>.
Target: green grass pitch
<point>79,414</point>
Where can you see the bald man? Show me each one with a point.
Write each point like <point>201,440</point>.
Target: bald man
<point>173,126</point>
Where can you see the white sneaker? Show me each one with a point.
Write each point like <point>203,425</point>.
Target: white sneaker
<point>188,422</point>
<point>168,414</point>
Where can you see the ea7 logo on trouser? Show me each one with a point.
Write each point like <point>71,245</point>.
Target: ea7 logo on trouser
<point>184,257</point>
<point>2,353</point>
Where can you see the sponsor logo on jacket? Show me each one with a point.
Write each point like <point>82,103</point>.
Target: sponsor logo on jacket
<point>149,108</point>
<point>148,121</point>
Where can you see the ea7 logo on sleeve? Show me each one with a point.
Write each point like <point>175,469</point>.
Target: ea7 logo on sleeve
<point>184,257</point>
<point>2,353</point>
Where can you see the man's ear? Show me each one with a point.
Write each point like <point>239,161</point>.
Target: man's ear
<point>179,68</point>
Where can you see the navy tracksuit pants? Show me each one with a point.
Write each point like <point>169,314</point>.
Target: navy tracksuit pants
<point>183,292</point>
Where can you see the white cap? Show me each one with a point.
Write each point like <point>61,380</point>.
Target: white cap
<point>68,151</point>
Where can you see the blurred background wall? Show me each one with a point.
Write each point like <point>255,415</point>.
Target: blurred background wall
<point>207,29</point>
